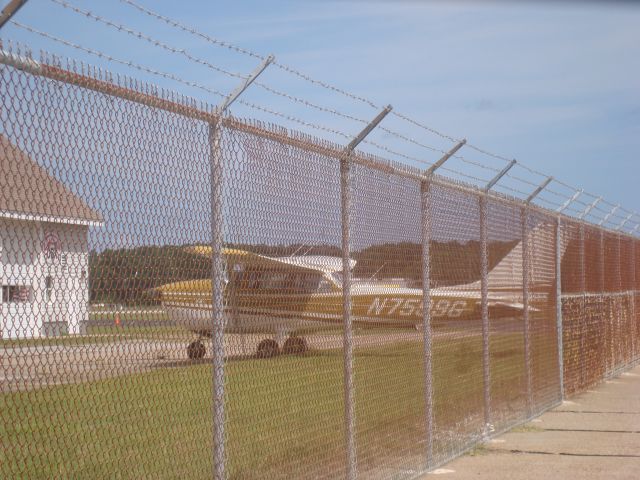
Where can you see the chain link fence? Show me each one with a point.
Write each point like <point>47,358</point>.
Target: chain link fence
<point>191,295</point>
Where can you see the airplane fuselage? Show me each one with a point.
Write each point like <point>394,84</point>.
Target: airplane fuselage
<point>277,312</point>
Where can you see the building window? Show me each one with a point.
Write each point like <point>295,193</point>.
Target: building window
<point>16,294</point>
<point>48,287</point>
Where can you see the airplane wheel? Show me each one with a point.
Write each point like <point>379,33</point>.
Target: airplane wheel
<point>268,348</point>
<point>294,346</point>
<point>196,350</point>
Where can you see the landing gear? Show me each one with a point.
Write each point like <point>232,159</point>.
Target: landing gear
<point>268,348</point>
<point>294,346</point>
<point>196,350</point>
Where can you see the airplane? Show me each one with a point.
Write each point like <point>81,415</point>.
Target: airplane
<point>290,296</point>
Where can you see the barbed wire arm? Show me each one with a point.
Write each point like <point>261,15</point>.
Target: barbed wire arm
<point>368,129</point>
<point>590,207</point>
<point>608,215</point>
<point>501,174</point>
<point>243,86</point>
<point>10,10</point>
<point>624,222</point>
<point>537,191</point>
<point>446,157</point>
<point>569,201</point>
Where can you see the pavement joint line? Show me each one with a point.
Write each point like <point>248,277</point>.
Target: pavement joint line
<point>592,411</point>
<point>567,454</point>
<point>588,430</point>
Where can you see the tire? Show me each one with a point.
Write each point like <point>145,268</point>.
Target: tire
<point>267,348</point>
<point>294,346</point>
<point>196,350</point>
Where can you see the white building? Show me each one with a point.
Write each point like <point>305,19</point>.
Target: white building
<point>43,250</point>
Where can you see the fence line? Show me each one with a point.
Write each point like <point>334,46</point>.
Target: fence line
<point>413,316</point>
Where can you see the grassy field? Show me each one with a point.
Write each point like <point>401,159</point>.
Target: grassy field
<point>284,416</point>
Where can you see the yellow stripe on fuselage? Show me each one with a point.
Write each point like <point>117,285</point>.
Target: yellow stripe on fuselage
<point>390,307</point>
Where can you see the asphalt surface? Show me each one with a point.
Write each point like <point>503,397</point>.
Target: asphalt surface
<point>594,435</point>
<point>25,367</point>
<point>42,364</point>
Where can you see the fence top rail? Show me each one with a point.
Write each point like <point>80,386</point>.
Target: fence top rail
<point>102,81</point>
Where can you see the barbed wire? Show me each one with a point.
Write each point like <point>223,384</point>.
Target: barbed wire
<point>476,180</point>
<point>551,191</point>
<point>175,78</point>
<point>328,86</point>
<point>488,153</point>
<point>244,51</point>
<point>190,83</point>
<point>478,164</point>
<point>521,180</point>
<point>294,71</point>
<point>425,127</point>
<point>299,100</point>
<point>110,58</point>
<point>542,200</point>
<point>396,153</point>
<point>147,38</point>
<point>307,103</point>
<point>186,54</point>
<point>519,193</point>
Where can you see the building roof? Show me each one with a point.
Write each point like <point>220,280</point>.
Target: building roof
<point>29,192</point>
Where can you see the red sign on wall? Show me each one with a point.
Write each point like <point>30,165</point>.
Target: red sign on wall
<point>51,245</point>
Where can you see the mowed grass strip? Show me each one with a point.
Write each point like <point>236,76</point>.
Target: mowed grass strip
<point>284,416</point>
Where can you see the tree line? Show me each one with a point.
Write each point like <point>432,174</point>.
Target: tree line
<point>127,276</point>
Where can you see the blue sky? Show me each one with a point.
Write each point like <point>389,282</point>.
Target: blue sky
<point>556,86</point>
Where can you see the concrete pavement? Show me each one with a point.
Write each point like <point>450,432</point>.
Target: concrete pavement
<point>594,435</point>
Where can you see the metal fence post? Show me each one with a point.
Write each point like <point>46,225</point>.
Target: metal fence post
<point>619,354</point>
<point>345,205</point>
<point>583,304</point>
<point>559,327</point>
<point>217,301</point>
<point>606,319</point>
<point>634,329</point>
<point>524,218</point>
<point>425,194</point>
<point>217,294</point>
<point>345,173</point>
<point>425,216</point>
<point>484,298</point>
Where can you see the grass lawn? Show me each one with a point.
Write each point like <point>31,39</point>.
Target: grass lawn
<point>284,416</point>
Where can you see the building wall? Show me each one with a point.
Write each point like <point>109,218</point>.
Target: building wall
<point>50,259</point>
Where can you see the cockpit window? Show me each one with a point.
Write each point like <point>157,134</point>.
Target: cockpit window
<point>270,281</point>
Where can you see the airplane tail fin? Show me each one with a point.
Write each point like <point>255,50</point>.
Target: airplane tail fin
<point>541,245</point>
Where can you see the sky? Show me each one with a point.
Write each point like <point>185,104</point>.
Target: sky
<point>555,85</point>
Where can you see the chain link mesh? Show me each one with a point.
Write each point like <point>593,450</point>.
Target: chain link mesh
<point>110,262</point>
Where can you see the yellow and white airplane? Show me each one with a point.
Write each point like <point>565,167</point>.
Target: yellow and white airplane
<point>286,296</point>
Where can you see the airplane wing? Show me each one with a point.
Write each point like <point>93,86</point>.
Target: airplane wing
<point>237,256</point>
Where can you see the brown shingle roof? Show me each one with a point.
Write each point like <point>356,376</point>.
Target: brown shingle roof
<point>27,189</point>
